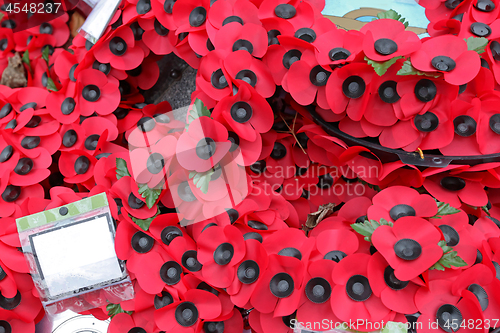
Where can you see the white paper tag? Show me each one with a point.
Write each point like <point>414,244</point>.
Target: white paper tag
<point>77,256</point>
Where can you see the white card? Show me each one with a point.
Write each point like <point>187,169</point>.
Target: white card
<point>77,256</point>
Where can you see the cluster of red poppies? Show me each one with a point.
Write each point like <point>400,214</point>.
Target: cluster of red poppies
<point>249,204</point>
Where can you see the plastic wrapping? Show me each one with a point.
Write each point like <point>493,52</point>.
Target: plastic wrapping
<point>71,255</point>
<point>97,21</point>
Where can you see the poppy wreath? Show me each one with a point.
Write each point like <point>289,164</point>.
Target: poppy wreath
<point>246,214</point>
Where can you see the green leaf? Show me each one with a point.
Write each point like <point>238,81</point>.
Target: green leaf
<point>368,227</point>
<point>444,209</point>
<point>486,210</point>
<point>202,179</point>
<point>477,44</point>
<point>45,54</point>
<point>408,69</point>
<point>51,86</point>
<point>382,67</point>
<point>144,224</point>
<point>197,110</point>
<point>395,327</point>
<point>394,15</point>
<point>121,168</point>
<point>114,309</point>
<point>150,194</point>
<point>26,59</point>
<point>449,258</point>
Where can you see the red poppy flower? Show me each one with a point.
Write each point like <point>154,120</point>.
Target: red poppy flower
<point>397,201</point>
<point>445,27</point>
<point>279,288</point>
<point>299,14</point>
<point>120,50</point>
<point>180,195</point>
<point>465,117</point>
<point>410,246</point>
<point>233,324</point>
<point>223,12</point>
<point>156,271</point>
<point>306,79</point>
<point>456,232</point>
<point>436,302</point>
<point>487,226</point>
<point>327,189</point>
<point>480,280</point>
<point>298,185</point>
<point>35,44</point>
<point>227,307</point>
<point>219,251</point>
<point>241,66</point>
<point>448,55</point>
<point>62,105</point>
<point>472,27</point>
<point>395,294</point>
<point>29,97</point>
<point>454,188</point>
<point>99,131</point>
<point>186,315</point>
<point>335,244</point>
<point>31,171</point>
<point>146,74</point>
<point>385,39</point>
<point>421,95</point>
<point>247,113</point>
<point>251,268</point>
<point>338,46</point>
<point>203,145</point>
<point>131,241</point>
<point>352,297</point>
<point>136,9</point>
<point>486,133</point>
<point>345,90</point>
<point>24,306</point>
<point>183,49</point>
<point>60,196</point>
<point>57,27</point>
<point>126,117</point>
<point>385,102</point>
<point>96,93</point>
<point>126,189</point>
<point>212,77</point>
<point>166,227</point>
<point>315,305</point>
<point>41,125</point>
<point>400,174</point>
<point>156,36</point>
<point>291,243</point>
<point>149,165</point>
<point>184,251</point>
<point>12,196</point>
<point>156,123</point>
<point>9,280</point>
<point>11,324</point>
<point>249,37</point>
<point>76,166</point>
<point>278,166</point>
<point>282,54</point>
<point>124,322</point>
<point>162,10</point>
<point>6,41</point>
<point>430,130</point>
